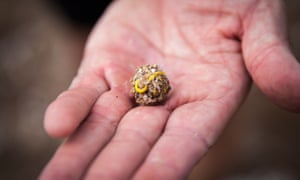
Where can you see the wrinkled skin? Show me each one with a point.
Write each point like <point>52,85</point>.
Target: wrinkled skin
<point>211,52</point>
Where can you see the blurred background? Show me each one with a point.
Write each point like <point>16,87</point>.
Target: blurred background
<point>41,45</point>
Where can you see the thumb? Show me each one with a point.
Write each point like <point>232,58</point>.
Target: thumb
<point>267,56</point>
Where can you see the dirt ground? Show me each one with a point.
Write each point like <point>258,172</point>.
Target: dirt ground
<point>40,50</point>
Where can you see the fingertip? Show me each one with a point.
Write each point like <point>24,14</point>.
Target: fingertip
<point>65,114</point>
<point>279,78</point>
<point>283,89</point>
<point>291,107</point>
<point>57,123</point>
<point>286,102</point>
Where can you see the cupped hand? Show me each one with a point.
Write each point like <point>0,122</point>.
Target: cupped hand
<point>209,50</point>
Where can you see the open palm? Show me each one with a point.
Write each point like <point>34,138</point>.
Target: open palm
<point>206,49</point>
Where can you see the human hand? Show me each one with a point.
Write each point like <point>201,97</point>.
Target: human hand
<point>208,49</point>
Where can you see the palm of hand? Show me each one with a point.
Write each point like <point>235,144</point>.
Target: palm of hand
<point>198,48</point>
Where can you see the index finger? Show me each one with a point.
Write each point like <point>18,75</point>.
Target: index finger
<point>66,112</point>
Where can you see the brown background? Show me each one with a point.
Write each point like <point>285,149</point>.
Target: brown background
<point>40,50</point>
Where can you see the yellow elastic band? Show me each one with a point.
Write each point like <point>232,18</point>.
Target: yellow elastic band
<point>137,89</point>
<point>152,76</point>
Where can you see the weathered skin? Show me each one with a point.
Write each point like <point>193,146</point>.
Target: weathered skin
<point>210,51</point>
